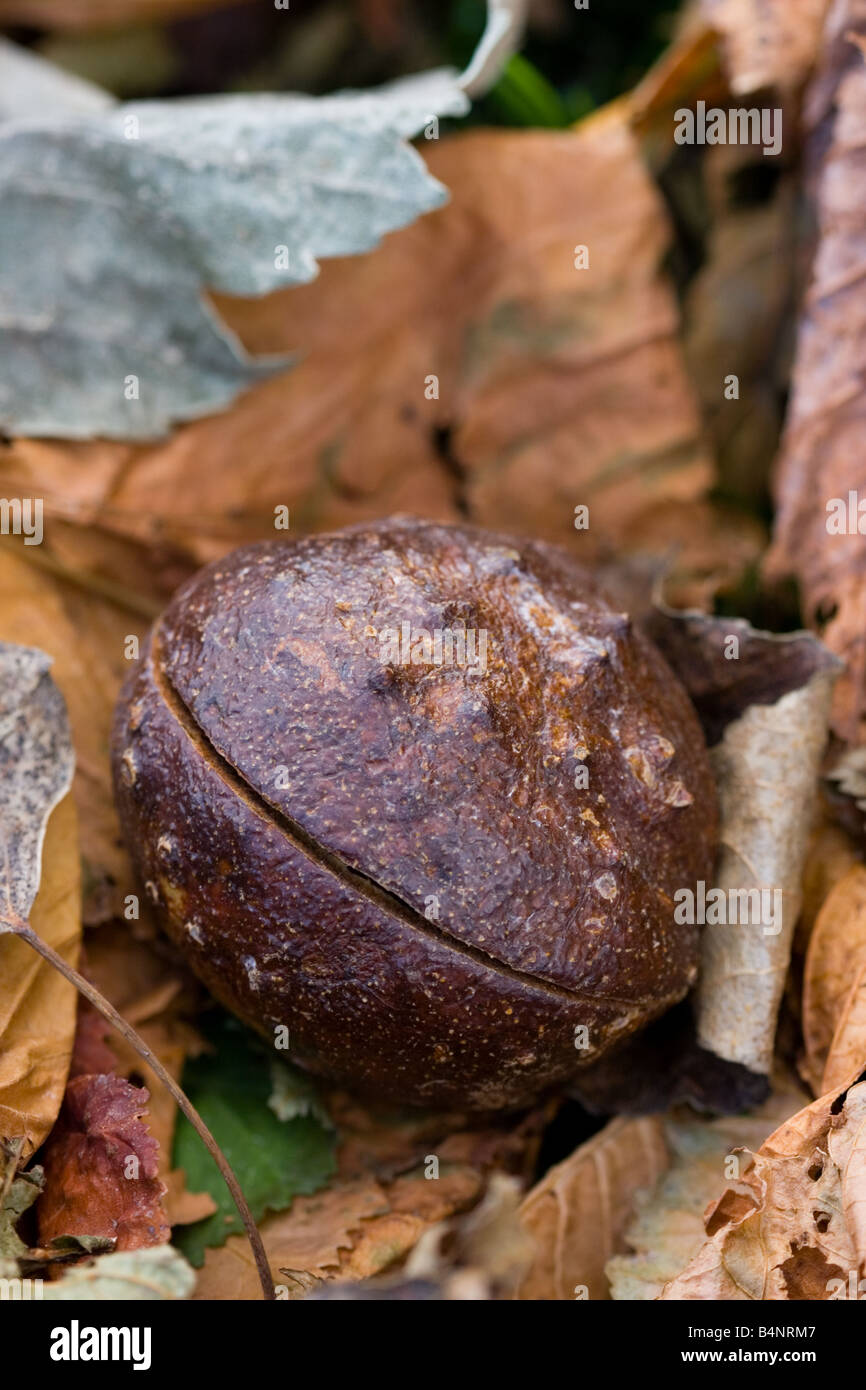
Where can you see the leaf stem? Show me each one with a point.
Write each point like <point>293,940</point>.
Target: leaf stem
<point>99,1002</point>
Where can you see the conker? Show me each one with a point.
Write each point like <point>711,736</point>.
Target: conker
<point>417,798</point>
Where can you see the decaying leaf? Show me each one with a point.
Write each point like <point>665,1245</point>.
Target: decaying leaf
<point>817,535</point>
<point>666,1229</point>
<point>101,1167</point>
<point>17,1197</point>
<point>792,1227</point>
<point>577,1213</point>
<point>160,1272</point>
<point>836,955</point>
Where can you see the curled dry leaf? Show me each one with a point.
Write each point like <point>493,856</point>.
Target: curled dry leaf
<point>101,1166</point>
<point>666,1229</point>
<point>766,770</point>
<point>764,702</point>
<point>819,470</point>
<point>577,1213</point>
<point>793,1226</point>
<point>836,955</point>
<point>767,43</point>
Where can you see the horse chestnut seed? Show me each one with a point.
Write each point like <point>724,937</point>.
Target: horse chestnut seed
<point>417,798</point>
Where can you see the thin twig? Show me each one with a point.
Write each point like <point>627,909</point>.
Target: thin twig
<point>99,1002</point>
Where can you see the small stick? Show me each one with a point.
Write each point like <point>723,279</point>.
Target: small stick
<point>26,933</point>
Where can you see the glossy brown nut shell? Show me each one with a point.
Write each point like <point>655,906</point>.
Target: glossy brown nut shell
<point>397,860</point>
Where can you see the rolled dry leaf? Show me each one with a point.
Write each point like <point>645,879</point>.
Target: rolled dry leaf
<point>767,767</point>
<point>577,1213</point>
<point>837,952</point>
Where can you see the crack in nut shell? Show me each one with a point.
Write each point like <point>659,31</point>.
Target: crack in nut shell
<point>429,784</point>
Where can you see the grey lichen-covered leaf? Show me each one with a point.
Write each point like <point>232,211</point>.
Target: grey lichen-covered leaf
<point>31,87</point>
<point>117,219</point>
<point>36,765</point>
<point>157,1272</point>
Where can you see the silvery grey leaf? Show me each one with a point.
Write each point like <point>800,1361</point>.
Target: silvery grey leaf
<point>501,38</point>
<point>36,765</point>
<point>117,220</point>
<point>31,87</point>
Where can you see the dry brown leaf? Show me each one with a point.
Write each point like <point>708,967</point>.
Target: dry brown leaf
<point>821,456</point>
<point>793,1227</point>
<point>667,1228</point>
<point>557,386</point>
<point>577,1213</point>
<point>837,952</point>
<point>848,1049</point>
<point>308,1240</point>
<point>100,14</point>
<point>767,43</point>
<point>830,854</point>
<point>37,1006</point>
<point>352,1230</point>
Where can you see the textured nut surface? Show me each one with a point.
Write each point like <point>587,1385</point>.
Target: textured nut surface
<point>397,860</point>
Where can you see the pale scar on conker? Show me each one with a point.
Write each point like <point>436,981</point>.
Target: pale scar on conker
<point>450,879</point>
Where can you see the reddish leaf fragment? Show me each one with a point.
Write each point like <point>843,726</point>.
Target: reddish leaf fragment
<point>101,1167</point>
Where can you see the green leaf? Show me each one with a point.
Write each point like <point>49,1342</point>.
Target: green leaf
<point>274,1160</point>
<point>524,97</point>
